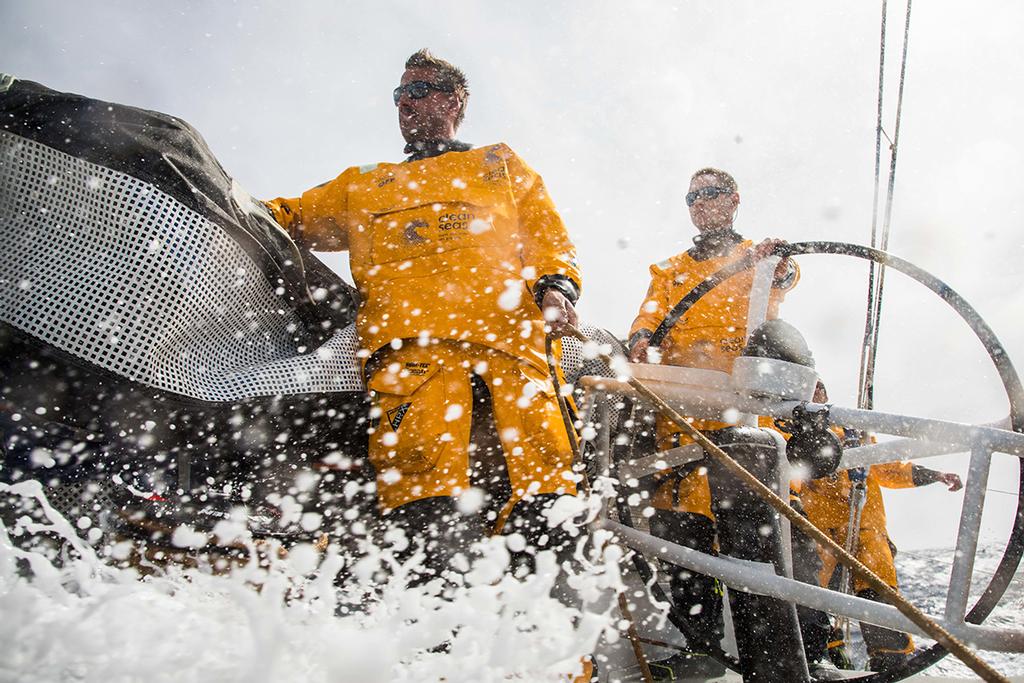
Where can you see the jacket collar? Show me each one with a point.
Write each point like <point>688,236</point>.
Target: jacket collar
<point>433,148</point>
<point>708,245</point>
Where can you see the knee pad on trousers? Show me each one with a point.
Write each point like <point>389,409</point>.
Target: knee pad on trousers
<point>748,527</point>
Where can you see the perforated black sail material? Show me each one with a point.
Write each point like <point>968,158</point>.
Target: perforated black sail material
<point>128,247</point>
<point>167,154</point>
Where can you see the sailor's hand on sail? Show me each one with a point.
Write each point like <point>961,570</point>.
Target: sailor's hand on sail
<point>559,313</point>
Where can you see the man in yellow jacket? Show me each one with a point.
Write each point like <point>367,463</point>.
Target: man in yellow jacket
<point>827,502</point>
<point>709,336</point>
<point>463,265</point>
<point>713,331</point>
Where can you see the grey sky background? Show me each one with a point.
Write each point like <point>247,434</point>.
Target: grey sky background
<point>616,104</point>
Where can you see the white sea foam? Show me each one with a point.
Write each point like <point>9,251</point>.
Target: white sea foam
<point>83,619</point>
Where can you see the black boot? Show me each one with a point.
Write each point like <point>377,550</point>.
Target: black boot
<point>887,649</point>
<point>838,653</point>
<point>687,665</point>
<point>437,525</point>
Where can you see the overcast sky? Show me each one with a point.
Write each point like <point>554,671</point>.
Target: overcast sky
<point>616,104</point>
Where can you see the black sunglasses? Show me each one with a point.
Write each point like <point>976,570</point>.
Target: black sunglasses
<point>417,90</point>
<point>706,193</point>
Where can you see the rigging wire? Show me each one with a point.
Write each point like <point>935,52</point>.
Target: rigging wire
<point>876,282</point>
<point>863,399</point>
<point>876,286</point>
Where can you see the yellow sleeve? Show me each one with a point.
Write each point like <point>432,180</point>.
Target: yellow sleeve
<point>317,219</point>
<point>654,307</point>
<point>894,475</point>
<point>547,249</point>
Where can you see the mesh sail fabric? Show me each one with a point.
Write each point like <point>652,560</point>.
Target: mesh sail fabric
<point>574,362</point>
<point>172,156</point>
<point>112,270</point>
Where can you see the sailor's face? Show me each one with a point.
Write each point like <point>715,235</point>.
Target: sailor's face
<point>712,213</point>
<point>427,118</point>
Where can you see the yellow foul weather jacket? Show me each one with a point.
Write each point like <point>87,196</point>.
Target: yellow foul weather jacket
<point>712,333</point>
<point>709,336</point>
<point>448,247</point>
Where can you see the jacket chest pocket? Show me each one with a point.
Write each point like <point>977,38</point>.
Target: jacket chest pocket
<point>427,221</point>
<point>432,229</point>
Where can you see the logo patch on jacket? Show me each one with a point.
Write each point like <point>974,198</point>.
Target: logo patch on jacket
<point>413,237</point>
<point>396,415</point>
